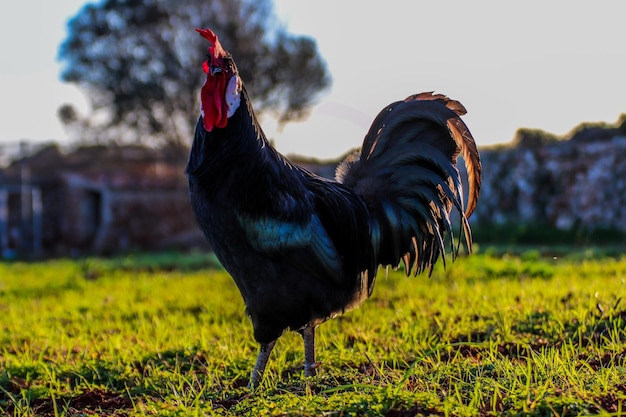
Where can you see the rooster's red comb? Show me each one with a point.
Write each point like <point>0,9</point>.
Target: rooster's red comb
<point>215,50</point>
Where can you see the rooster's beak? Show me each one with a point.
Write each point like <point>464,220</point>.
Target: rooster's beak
<point>214,70</point>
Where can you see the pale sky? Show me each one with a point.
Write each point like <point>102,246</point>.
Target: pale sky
<point>539,64</point>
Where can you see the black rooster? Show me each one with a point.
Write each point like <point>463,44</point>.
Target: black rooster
<point>301,248</point>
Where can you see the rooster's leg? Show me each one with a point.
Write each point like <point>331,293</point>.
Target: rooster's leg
<point>261,363</point>
<point>308,335</point>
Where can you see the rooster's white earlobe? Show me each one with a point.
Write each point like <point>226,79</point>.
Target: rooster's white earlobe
<point>232,95</point>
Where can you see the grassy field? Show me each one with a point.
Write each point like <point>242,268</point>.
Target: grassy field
<point>493,334</point>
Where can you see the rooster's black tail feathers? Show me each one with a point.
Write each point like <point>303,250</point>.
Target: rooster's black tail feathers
<point>406,173</point>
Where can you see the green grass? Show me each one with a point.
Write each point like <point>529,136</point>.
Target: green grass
<point>493,334</point>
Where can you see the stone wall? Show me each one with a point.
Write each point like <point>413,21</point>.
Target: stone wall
<point>579,183</point>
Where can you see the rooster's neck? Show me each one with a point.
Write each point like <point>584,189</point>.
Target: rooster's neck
<point>247,111</point>
<point>238,155</point>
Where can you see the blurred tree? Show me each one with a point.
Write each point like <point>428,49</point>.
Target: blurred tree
<point>139,62</point>
<point>532,138</point>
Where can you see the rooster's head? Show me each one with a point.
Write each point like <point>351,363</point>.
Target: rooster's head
<point>220,93</point>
